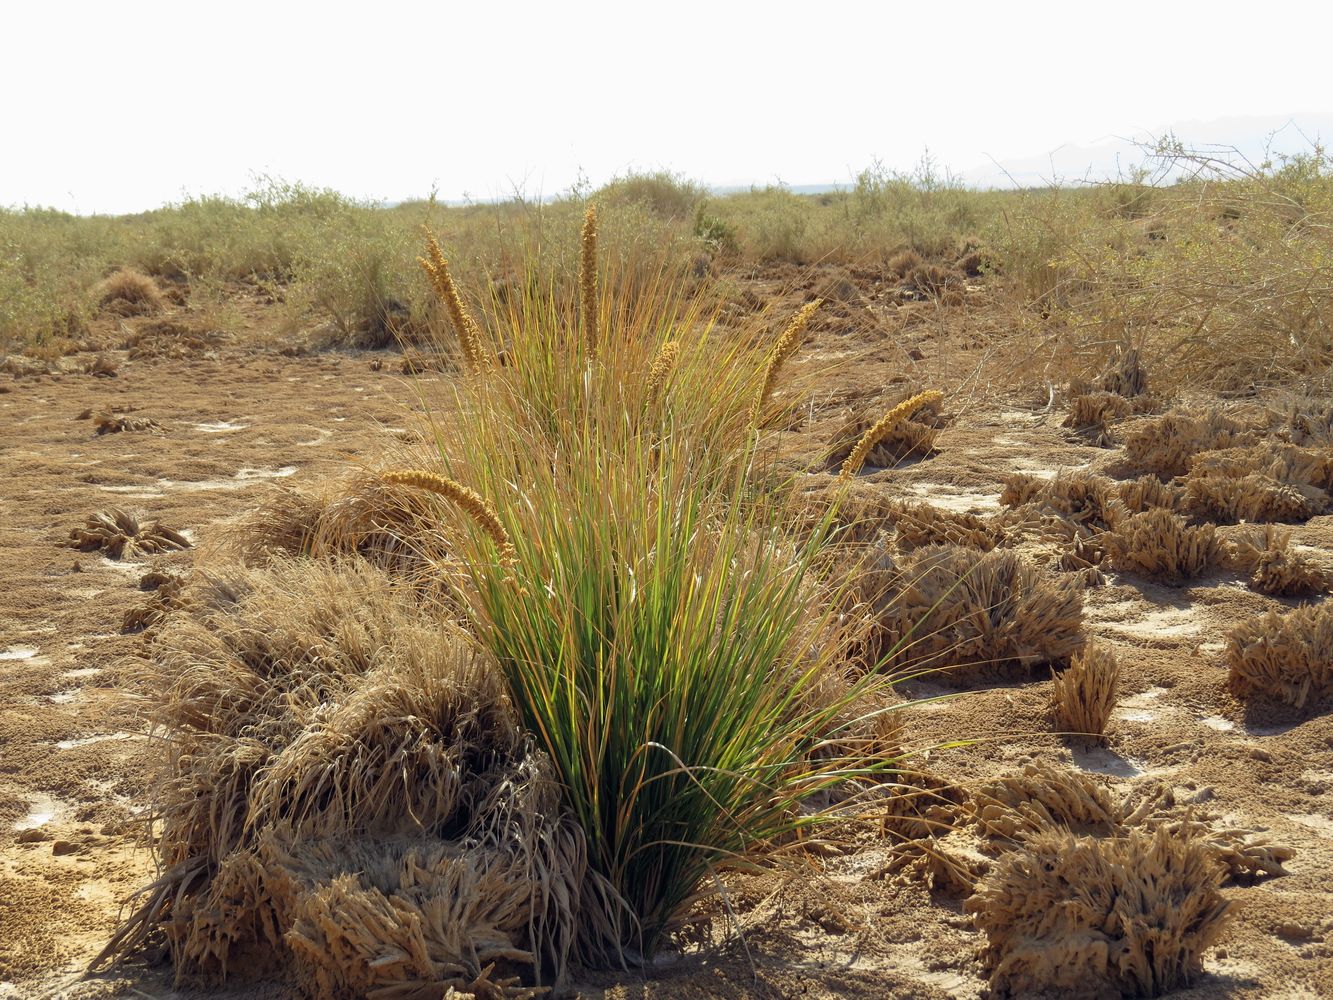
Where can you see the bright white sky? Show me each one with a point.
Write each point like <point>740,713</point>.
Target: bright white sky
<point>112,107</point>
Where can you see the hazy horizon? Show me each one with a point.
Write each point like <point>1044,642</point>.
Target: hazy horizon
<point>115,111</point>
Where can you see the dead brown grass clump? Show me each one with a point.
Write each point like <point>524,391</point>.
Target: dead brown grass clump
<point>1255,497</point>
<point>1287,656</point>
<point>1085,917</point>
<point>1147,492</point>
<point>110,423</point>
<point>932,280</point>
<point>970,263</point>
<point>1164,445</point>
<point>1022,488</point>
<point>129,293</point>
<point>1043,797</point>
<point>348,799</point>
<point>1163,546</point>
<point>1275,567</point>
<point>1083,696</point>
<point>904,262</point>
<point>167,338</point>
<point>1310,422</point>
<point>921,524</point>
<point>1083,498</point>
<point>1091,414</point>
<point>120,534</point>
<point>946,608</point>
<point>392,526</point>
<point>167,595</point>
<point>1126,376</point>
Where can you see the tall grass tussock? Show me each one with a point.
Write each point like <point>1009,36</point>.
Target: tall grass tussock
<point>613,577</point>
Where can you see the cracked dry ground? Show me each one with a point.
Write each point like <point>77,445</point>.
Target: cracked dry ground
<point>75,765</point>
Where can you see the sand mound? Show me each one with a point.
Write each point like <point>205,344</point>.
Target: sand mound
<point>947,608</point>
<point>348,799</point>
<point>120,534</point>
<point>1287,656</point>
<point>1086,917</point>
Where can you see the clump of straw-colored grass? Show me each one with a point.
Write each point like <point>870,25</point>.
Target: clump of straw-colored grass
<point>469,334</point>
<point>782,350</point>
<point>1083,696</point>
<point>882,427</point>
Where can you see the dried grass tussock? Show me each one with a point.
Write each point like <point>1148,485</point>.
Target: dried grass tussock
<point>944,608</point>
<point>1147,492</point>
<point>920,524</point>
<point>1163,546</point>
<point>1252,498</point>
<point>1127,916</point>
<point>110,423</point>
<point>1275,567</point>
<point>1091,414</point>
<point>1083,696</point>
<point>1080,891</point>
<point>348,799</point>
<point>1287,656</point>
<point>1164,445</point>
<point>129,293</point>
<point>393,526</point>
<point>121,535</point>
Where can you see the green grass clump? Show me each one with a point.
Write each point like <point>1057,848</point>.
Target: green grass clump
<point>665,639</point>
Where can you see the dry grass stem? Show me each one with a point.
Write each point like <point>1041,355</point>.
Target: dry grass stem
<point>466,499</point>
<point>588,278</point>
<point>469,334</point>
<point>885,424</point>
<point>782,350</point>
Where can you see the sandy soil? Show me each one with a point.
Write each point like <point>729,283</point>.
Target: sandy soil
<point>236,416</point>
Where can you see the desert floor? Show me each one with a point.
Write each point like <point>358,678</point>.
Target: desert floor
<point>236,418</point>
